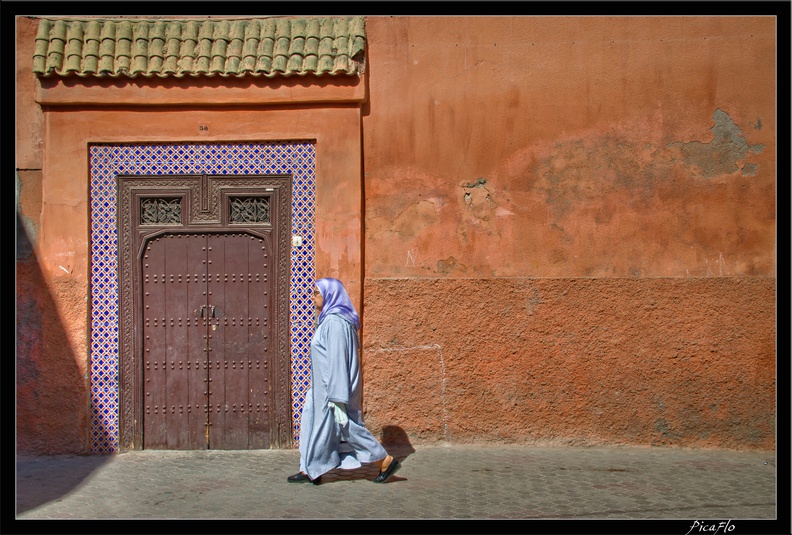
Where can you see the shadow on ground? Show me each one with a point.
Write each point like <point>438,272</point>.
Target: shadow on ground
<point>37,483</point>
<point>394,440</point>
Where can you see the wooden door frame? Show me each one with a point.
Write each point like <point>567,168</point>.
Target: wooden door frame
<point>203,198</point>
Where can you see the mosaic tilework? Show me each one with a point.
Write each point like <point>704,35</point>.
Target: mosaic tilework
<point>297,158</point>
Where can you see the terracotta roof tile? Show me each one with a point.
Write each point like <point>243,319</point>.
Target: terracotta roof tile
<point>243,47</point>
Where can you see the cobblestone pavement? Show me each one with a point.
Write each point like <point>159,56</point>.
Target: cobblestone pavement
<point>434,483</point>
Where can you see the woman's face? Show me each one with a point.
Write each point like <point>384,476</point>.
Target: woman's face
<point>318,299</point>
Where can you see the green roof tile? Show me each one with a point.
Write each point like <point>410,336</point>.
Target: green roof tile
<point>161,48</point>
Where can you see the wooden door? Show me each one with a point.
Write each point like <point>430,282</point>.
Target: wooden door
<point>175,366</point>
<point>204,264</point>
<point>206,341</point>
<point>238,341</point>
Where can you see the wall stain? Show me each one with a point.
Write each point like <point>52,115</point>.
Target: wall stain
<point>532,300</point>
<point>414,218</point>
<point>591,169</point>
<point>450,265</point>
<point>662,426</point>
<point>587,173</point>
<point>723,154</point>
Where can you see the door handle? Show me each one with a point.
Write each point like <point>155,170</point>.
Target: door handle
<point>213,310</point>
<point>200,310</point>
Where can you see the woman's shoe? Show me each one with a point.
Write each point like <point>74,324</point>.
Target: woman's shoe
<point>299,477</point>
<point>389,471</point>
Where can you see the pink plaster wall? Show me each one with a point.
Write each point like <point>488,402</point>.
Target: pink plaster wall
<point>570,147</point>
<point>564,231</point>
<point>664,361</point>
<point>570,230</point>
<point>57,122</point>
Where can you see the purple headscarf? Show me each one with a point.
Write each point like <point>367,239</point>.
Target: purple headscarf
<point>336,301</point>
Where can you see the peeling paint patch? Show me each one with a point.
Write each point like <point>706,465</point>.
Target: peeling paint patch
<point>478,198</point>
<point>749,169</point>
<point>722,155</point>
<point>450,265</point>
<point>481,182</point>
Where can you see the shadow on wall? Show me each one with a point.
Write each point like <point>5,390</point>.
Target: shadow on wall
<point>394,437</point>
<point>52,394</point>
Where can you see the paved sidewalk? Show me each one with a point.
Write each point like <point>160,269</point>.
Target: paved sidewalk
<point>435,482</point>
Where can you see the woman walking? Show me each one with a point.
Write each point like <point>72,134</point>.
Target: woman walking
<point>332,432</point>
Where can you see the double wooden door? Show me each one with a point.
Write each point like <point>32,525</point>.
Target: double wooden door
<point>204,264</point>
<point>206,341</point>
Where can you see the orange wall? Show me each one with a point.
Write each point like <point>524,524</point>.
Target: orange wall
<point>594,139</point>
<point>570,229</point>
<point>660,361</point>
<point>57,121</point>
<point>559,229</point>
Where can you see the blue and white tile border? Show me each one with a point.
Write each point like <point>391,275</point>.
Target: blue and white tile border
<point>297,158</point>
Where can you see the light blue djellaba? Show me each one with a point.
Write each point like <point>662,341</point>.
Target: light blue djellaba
<point>329,440</point>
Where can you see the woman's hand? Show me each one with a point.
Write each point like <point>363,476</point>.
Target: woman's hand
<point>339,412</point>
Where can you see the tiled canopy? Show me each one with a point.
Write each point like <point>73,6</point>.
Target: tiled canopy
<point>276,46</point>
